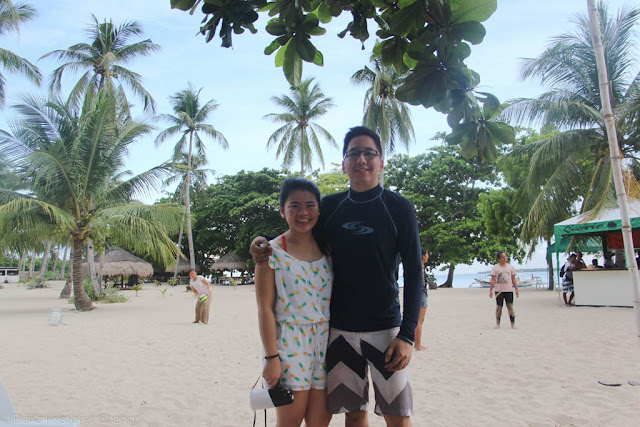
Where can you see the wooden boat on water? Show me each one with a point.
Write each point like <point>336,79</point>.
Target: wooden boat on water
<point>484,281</point>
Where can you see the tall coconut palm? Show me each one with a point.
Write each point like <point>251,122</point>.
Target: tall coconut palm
<point>383,112</point>
<point>573,164</point>
<point>189,120</point>
<point>298,137</point>
<point>103,59</point>
<point>179,169</point>
<point>11,16</point>
<point>198,181</point>
<point>71,156</point>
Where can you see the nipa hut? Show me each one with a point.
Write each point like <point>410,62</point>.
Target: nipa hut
<point>118,262</point>
<point>230,262</point>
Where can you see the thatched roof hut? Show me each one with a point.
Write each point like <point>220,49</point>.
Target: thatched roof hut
<point>118,262</point>
<point>230,262</point>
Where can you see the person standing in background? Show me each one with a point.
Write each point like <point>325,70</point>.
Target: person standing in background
<point>423,303</point>
<point>202,289</point>
<point>503,277</point>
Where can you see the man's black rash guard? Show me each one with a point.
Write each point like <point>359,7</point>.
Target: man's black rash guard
<point>369,233</point>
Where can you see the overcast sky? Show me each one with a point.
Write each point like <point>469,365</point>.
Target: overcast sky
<point>242,79</point>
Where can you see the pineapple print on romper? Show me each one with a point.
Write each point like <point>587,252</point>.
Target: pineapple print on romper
<point>302,315</point>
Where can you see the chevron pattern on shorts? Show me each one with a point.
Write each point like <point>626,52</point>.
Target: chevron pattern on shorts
<point>350,358</point>
<point>342,399</point>
<point>376,357</point>
<point>386,406</point>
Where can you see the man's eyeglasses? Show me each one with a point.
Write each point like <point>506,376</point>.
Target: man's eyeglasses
<point>355,154</point>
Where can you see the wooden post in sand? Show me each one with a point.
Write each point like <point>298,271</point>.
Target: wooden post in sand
<point>609,120</point>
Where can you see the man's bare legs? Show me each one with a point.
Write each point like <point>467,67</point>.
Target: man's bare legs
<point>398,421</point>
<point>356,419</point>
<point>360,419</point>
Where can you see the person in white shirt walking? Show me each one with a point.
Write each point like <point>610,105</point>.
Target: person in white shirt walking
<point>503,277</point>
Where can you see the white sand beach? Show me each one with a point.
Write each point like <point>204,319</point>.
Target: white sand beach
<point>144,363</point>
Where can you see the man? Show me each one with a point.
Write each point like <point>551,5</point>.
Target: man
<point>580,264</point>
<point>608,261</point>
<point>567,280</point>
<point>369,230</point>
<point>503,277</point>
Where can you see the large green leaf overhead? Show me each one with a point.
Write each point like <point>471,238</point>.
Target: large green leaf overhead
<point>428,39</point>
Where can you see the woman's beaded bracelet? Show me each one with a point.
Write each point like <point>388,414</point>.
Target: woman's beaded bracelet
<point>271,357</point>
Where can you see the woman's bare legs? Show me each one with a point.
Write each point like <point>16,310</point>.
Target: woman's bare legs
<point>418,342</point>
<point>292,415</point>
<point>317,414</point>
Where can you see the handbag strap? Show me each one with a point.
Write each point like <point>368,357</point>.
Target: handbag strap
<point>254,412</point>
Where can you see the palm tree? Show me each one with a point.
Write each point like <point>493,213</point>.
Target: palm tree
<point>71,156</point>
<point>179,169</point>
<point>102,59</point>
<point>11,16</point>
<point>573,164</point>
<point>198,181</point>
<point>189,119</point>
<point>383,112</point>
<point>298,137</point>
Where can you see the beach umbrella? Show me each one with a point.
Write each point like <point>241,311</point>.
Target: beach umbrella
<point>230,262</point>
<point>118,262</point>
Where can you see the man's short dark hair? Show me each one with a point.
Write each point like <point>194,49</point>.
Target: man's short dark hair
<point>359,131</point>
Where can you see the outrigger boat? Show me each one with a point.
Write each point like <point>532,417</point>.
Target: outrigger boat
<point>485,282</point>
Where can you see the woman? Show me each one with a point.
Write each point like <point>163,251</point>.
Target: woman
<point>200,286</point>
<point>423,303</point>
<point>293,291</point>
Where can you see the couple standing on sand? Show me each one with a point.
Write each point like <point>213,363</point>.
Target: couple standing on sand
<point>328,297</point>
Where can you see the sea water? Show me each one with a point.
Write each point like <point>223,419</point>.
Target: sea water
<point>466,280</point>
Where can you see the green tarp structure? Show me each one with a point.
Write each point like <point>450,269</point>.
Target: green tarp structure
<point>593,228</point>
<point>591,244</point>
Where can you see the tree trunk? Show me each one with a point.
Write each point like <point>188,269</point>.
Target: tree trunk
<point>93,274</point>
<point>64,260</point>
<point>23,262</point>
<point>304,132</point>
<point>32,264</point>
<point>615,155</point>
<point>449,282</point>
<point>43,266</point>
<point>55,257</point>
<point>81,300</point>
<point>550,279</point>
<point>187,205</point>
<point>66,291</point>
<point>101,266</point>
<point>175,273</point>
<point>384,138</point>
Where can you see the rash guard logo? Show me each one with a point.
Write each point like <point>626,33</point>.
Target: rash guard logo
<point>357,228</point>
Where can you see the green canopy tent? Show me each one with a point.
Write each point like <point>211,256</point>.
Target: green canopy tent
<point>595,231</point>
<point>596,228</point>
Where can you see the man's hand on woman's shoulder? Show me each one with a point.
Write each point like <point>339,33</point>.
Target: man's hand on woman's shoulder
<point>260,250</point>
